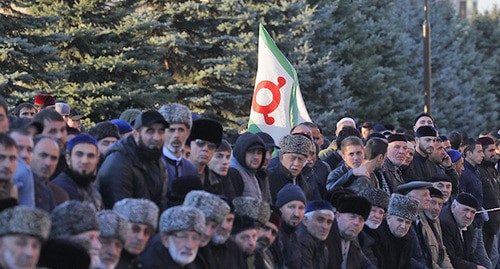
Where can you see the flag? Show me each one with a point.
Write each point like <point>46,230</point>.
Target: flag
<point>277,103</point>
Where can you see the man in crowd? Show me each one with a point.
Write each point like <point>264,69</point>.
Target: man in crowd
<point>113,235</point>
<point>25,111</point>
<point>8,162</point>
<point>23,176</point>
<point>396,155</point>
<point>133,167</point>
<point>244,234</point>
<point>422,166</point>
<point>106,134</point>
<point>423,119</point>
<point>265,238</point>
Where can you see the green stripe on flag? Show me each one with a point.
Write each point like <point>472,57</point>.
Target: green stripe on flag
<point>276,51</point>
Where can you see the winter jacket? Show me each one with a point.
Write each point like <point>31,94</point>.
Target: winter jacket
<point>314,252</point>
<point>88,194</point>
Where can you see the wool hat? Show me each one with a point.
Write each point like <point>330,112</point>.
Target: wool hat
<point>275,216</point>
<point>333,195</point>
<point>123,126</point>
<point>467,199</point>
<point>113,225</point>
<point>397,137</point>
<point>376,197</point>
<point>298,144</point>
<point>435,193</point>
<point>104,129</point>
<point>149,118</point>
<point>253,208</point>
<point>454,154</point>
<point>486,141</point>
<point>206,129</point>
<point>63,254</point>
<point>72,218</point>
<point>318,205</point>
<point>426,130</point>
<point>81,139</point>
<point>62,108</point>
<point>129,115</point>
<point>213,207</point>
<point>403,206</point>
<point>138,211</point>
<point>181,186</point>
<point>25,220</point>
<point>243,223</point>
<point>354,204</point>
<point>182,218</point>
<point>44,100</point>
<point>268,140</point>
<point>440,177</point>
<point>288,193</point>
<point>177,113</point>
<point>412,185</point>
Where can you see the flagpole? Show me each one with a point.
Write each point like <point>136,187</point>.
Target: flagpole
<point>426,29</point>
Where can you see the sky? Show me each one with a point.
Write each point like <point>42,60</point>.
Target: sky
<point>483,5</point>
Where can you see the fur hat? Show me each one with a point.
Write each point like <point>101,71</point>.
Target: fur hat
<point>243,223</point>
<point>376,197</point>
<point>113,225</point>
<point>426,130</point>
<point>412,185</point>
<point>403,206</point>
<point>63,254</point>
<point>354,204</point>
<point>290,193</point>
<point>213,207</point>
<point>333,195</point>
<point>177,113</point>
<point>138,211</point>
<point>72,218</point>
<point>104,129</point>
<point>205,129</point>
<point>182,218</point>
<point>253,208</point>
<point>295,144</point>
<point>467,199</point>
<point>25,220</point>
<point>130,115</point>
<point>181,186</point>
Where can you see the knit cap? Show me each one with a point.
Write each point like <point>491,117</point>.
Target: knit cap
<point>290,193</point>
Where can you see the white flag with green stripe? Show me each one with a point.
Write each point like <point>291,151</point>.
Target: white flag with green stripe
<point>277,103</point>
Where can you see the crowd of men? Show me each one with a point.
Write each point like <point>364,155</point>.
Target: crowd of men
<point>168,189</point>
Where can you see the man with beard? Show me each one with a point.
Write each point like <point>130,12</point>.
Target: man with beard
<point>444,164</point>
<point>368,236</point>
<point>265,238</point>
<point>82,157</point>
<point>422,166</point>
<point>114,230</point>
<point>142,215</point>
<point>133,167</point>
<point>176,247</point>
<point>261,173</point>
<point>244,234</point>
<point>179,117</point>
<point>318,220</point>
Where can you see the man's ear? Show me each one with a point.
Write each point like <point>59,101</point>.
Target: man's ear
<point>164,239</point>
<point>136,135</point>
<point>68,159</point>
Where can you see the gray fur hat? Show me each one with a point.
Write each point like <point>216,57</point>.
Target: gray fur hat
<point>138,211</point>
<point>182,218</point>
<point>25,220</point>
<point>72,218</point>
<point>113,225</point>
<point>253,208</point>
<point>297,143</point>
<point>376,197</point>
<point>213,207</point>
<point>177,113</point>
<point>403,206</point>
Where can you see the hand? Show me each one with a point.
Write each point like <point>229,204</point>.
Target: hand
<point>481,267</point>
<point>446,161</point>
<point>361,171</point>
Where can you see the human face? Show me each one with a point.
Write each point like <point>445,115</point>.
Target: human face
<point>210,228</point>
<point>25,145</point>
<point>375,218</point>
<point>459,166</point>
<point>175,137</point>
<point>434,209</point>
<point>182,246</point>
<point>19,251</point>
<point>201,152</point>
<point>447,145</point>
<point>409,156</point>
<point>293,162</point>
<point>105,143</point>
<point>444,187</point>
<point>398,226</point>
<point>253,158</point>
<point>464,215</point>
<point>365,132</point>
<point>45,158</point>
<point>311,159</point>
<point>8,162</point>
<point>475,157</point>
<point>317,137</point>
<point>4,121</point>
<point>110,253</point>
<point>438,153</point>
<point>350,225</point>
<point>292,213</point>
<point>425,144</point>
<point>152,136</point>
<point>353,155</point>
<point>396,152</point>
<point>223,231</point>
<point>57,131</point>
<point>137,238</point>
<point>268,157</point>
<point>319,224</point>
<point>490,153</point>
<point>266,235</point>
<point>423,121</point>
<point>83,160</point>
<point>90,241</point>
<point>27,113</point>
<point>77,124</point>
<point>246,240</point>
<point>302,129</point>
<point>422,196</point>
<point>220,162</point>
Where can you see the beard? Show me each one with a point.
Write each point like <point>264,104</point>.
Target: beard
<point>181,259</point>
<point>219,238</point>
<point>82,180</point>
<point>263,243</point>
<point>372,225</point>
<point>147,154</point>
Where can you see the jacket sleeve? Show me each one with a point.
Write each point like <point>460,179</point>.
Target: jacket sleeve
<point>307,252</point>
<point>115,179</point>
<point>338,177</point>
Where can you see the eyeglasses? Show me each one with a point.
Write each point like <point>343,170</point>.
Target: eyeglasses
<point>202,143</point>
